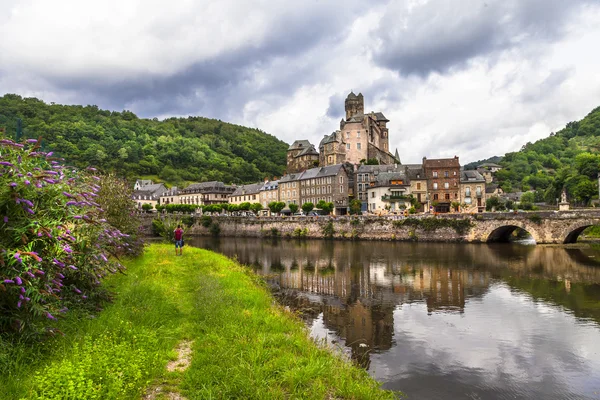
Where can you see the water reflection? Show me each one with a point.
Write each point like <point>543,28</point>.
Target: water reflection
<point>446,320</point>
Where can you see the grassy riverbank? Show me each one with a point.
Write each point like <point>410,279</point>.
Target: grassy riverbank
<point>243,346</point>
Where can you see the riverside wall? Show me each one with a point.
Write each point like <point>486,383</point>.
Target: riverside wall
<point>345,228</point>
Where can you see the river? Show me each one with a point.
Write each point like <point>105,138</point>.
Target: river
<point>444,321</point>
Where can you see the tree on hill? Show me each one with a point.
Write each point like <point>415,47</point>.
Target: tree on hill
<point>568,159</point>
<point>175,150</point>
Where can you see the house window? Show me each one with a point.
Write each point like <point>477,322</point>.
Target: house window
<point>468,192</point>
<point>372,195</point>
<point>329,159</point>
<point>341,179</point>
<point>446,185</point>
<point>434,185</point>
<point>418,185</point>
<point>358,146</point>
<point>435,174</point>
<point>435,196</point>
<point>341,189</point>
<point>446,174</point>
<point>348,146</point>
<point>454,173</point>
<point>347,135</point>
<point>447,196</point>
<point>358,134</point>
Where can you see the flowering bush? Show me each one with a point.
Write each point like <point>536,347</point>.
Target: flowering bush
<point>55,246</point>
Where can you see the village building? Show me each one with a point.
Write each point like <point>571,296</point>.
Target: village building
<point>329,184</point>
<point>301,155</point>
<point>443,178</point>
<point>418,185</point>
<point>389,192</point>
<point>246,194</point>
<point>269,192</point>
<point>364,175</point>
<point>492,167</point>
<point>288,189</point>
<point>213,192</point>
<point>361,137</point>
<point>147,192</point>
<point>472,192</point>
<point>170,196</point>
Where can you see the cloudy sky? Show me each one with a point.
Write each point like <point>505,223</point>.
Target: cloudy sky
<point>473,78</point>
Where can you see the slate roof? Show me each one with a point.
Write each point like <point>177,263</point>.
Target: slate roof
<point>384,178</point>
<point>471,176</point>
<point>299,144</point>
<point>415,171</point>
<point>206,186</point>
<point>441,163</point>
<point>328,139</point>
<point>310,150</point>
<point>156,189</point>
<point>253,188</point>
<point>380,117</point>
<point>489,165</point>
<point>491,188</point>
<point>270,185</point>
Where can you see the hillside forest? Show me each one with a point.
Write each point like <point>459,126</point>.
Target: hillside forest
<point>569,159</point>
<point>174,150</point>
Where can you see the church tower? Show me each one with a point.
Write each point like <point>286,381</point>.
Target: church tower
<point>354,105</point>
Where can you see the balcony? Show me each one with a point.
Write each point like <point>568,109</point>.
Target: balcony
<point>388,197</point>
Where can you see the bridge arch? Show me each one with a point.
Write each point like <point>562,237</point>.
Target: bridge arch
<point>501,231</point>
<point>571,233</point>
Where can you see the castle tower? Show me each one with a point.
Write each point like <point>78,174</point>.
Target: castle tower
<point>354,105</point>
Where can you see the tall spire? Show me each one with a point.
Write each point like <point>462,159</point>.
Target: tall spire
<point>397,156</point>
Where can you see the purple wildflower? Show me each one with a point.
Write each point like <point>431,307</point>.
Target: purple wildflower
<point>76,290</point>
<point>73,267</point>
<point>69,195</point>
<point>27,182</point>
<point>29,203</point>
<point>31,140</point>
<point>40,272</point>
<point>49,316</point>
<point>23,290</point>
<point>5,219</point>
<point>29,210</point>
<point>9,281</point>
<point>30,274</point>
<point>39,234</point>
<point>60,264</point>
<point>18,257</point>
<point>77,216</point>
<point>6,163</point>
<point>19,304</point>
<point>71,203</point>
<point>18,281</point>
<point>48,180</point>
<point>12,184</point>
<point>49,154</point>
<point>38,185</point>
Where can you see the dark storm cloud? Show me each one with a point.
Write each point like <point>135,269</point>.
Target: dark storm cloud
<point>222,85</point>
<point>441,35</point>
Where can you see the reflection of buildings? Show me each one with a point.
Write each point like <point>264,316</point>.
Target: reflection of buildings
<point>358,285</point>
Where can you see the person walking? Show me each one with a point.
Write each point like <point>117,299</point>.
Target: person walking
<point>178,233</point>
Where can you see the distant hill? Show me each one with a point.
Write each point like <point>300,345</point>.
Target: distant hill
<point>174,150</point>
<point>569,159</point>
<point>474,164</point>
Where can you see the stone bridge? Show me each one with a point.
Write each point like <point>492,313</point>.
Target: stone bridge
<point>559,227</point>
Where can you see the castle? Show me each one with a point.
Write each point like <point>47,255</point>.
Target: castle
<point>361,137</point>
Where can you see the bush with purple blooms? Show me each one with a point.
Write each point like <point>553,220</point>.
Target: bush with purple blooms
<point>55,245</point>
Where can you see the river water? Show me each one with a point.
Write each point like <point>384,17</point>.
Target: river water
<point>444,321</point>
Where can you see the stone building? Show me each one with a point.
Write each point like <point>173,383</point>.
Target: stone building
<point>362,136</point>
<point>147,192</point>
<point>364,175</point>
<point>443,178</point>
<point>288,189</point>
<point>472,192</point>
<point>269,192</point>
<point>246,194</point>
<point>389,192</point>
<point>301,155</point>
<point>170,196</point>
<point>329,184</point>
<point>213,192</point>
<point>418,185</point>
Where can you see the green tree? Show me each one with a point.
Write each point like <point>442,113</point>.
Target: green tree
<point>355,207</point>
<point>276,206</point>
<point>307,207</point>
<point>293,208</point>
<point>256,207</point>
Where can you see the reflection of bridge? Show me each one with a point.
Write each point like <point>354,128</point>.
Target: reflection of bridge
<point>544,227</point>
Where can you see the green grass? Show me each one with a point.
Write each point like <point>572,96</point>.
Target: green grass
<point>244,345</point>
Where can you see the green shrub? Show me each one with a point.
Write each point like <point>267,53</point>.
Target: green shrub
<point>56,243</point>
<point>300,232</point>
<point>214,229</point>
<point>535,218</point>
<point>328,230</point>
<point>461,226</point>
<point>206,221</point>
